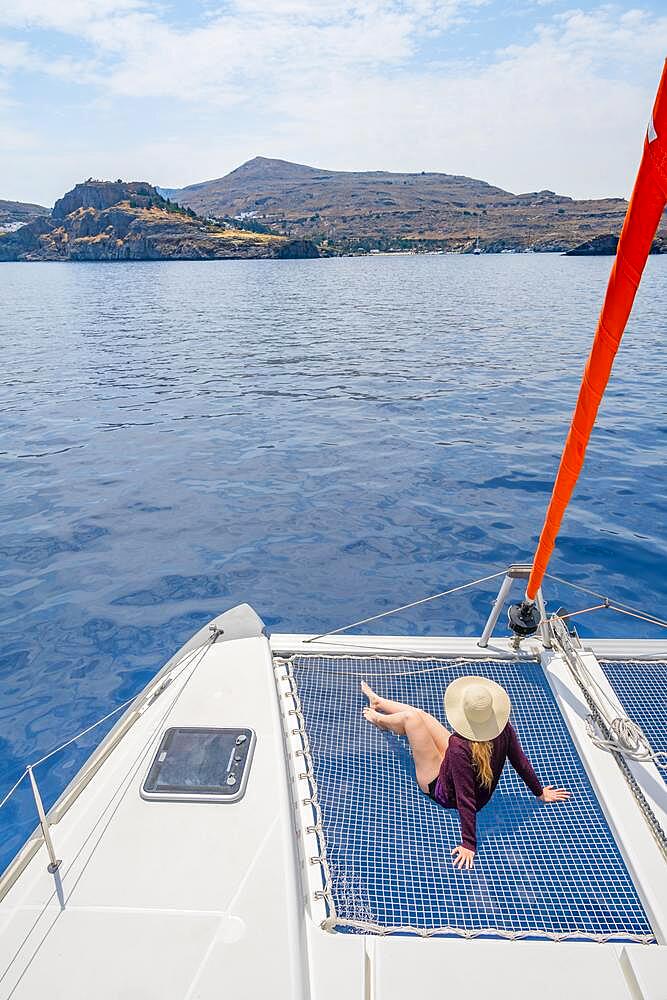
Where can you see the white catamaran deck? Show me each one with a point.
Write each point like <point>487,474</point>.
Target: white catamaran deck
<point>158,899</point>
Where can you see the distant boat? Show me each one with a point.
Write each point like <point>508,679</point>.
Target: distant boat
<point>530,248</point>
<point>477,248</point>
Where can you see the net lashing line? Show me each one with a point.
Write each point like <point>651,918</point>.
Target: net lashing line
<point>600,728</point>
<point>384,847</point>
<point>312,800</point>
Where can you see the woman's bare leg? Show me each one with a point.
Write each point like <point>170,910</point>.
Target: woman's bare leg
<point>410,722</point>
<point>438,732</point>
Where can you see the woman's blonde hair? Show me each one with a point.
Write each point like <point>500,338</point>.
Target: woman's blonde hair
<point>481,758</point>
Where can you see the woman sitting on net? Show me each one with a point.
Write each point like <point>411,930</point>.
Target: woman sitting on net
<point>460,770</point>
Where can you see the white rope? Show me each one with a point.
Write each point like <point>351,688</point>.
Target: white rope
<point>361,648</point>
<point>626,737</point>
<point>305,658</point>
<point>405,607</point>
<point>427,932</point>
<point>314,796</point>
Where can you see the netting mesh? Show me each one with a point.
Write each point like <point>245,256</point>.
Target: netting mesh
<point>641,686</point>
<point>540,870</point>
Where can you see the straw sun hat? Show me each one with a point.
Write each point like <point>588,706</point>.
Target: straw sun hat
<point>477,708</point>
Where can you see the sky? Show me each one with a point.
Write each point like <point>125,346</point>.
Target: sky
<point>526,94</point>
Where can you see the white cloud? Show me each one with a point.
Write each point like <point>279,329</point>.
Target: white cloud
<point>248,40</point>
<point>70,16</point>
<point>567,111</point>
<point>13,55</point>
<point>340,84</point>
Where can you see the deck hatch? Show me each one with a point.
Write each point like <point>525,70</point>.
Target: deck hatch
<point>201,764</point>
<point>541,871</point>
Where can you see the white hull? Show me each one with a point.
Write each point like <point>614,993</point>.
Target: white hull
<point>181,900</point>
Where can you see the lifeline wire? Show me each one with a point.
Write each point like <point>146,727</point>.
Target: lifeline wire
<point>125,779</point>
<point>189,656</point>
<point>607,606</point>
<point>78,736</point>
<point>405,607</point>
<point>613,605</point>
<point>13,789</point>
<point>619,605</point>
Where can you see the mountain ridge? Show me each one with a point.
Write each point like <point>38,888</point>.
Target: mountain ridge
<point>380,209</point>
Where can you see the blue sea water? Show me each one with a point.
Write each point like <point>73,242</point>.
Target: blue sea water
<point>323,439</point>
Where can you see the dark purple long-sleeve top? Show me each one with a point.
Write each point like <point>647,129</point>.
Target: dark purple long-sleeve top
<point>458,786</point>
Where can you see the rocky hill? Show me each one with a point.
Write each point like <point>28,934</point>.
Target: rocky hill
<point>14,214</point>
<point>116,220</point>
<point>380,210</point>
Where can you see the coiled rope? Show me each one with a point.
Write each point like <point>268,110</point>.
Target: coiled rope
<point>586,683</point>
<point>627,738</point>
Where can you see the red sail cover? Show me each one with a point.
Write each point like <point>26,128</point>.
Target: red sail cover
<point>641,221</point>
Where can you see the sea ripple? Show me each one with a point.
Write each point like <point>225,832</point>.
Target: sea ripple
<point>324,439</point>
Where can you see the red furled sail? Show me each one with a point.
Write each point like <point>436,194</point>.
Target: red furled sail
<point>641,222</point>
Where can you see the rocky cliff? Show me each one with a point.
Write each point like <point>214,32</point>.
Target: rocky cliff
<point>606,246</point>
<point>105,220</point>
<point>103,194</point>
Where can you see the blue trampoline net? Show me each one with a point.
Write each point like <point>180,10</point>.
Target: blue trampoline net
<point>641,686</point>
<point>540,871</point>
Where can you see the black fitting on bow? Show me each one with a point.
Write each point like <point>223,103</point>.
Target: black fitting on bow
<point>524,618</point>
